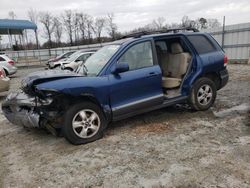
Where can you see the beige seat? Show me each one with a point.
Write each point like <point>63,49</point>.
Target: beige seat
<point>176,67</point>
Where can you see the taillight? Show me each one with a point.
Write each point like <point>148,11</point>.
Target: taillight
<point>1,74</point>
<point>225,60</point>
<point>11,62</point>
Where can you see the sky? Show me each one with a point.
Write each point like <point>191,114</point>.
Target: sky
<point>130,14</point>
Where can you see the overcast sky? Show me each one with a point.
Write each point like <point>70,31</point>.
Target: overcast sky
<point>133,13</point>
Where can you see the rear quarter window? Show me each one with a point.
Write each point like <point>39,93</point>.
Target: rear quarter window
<point>201,44</point>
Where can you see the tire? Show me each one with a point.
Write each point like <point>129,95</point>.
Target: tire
<point>86,130</point>
<point>203,94</point>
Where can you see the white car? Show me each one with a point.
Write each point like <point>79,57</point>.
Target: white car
<point>8,65</point>
<point>72,57</point>
<point>51,62</point>
<point>79,59</point>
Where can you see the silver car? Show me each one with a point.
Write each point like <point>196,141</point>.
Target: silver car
<point>8,65</point>
<point>76,61</point>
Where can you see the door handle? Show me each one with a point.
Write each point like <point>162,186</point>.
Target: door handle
<point>151,74</point>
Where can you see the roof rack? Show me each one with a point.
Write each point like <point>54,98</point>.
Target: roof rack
<point>175,30</point>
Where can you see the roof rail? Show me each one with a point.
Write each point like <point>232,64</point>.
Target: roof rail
<point>174,30</point>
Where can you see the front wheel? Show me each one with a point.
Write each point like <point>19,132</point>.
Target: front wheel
<point>84,123</point>
<point>203,94</point>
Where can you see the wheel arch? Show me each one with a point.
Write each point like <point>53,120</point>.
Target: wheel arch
<point>5,70</point>
<point>91,98</point>
<point>214,77</point>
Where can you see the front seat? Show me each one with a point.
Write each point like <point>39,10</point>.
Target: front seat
<point>177,67</point>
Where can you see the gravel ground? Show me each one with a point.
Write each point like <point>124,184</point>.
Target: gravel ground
<point>172,147</point>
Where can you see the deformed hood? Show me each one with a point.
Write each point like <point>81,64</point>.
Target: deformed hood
<point>46,75</point>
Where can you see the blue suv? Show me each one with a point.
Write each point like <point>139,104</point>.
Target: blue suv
<point>134,75</point>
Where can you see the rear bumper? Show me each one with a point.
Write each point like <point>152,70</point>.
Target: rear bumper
<point>12,70</point>
<point>224,77</point>
<point>4,84</point>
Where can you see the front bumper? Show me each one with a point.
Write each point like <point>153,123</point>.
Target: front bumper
<point>19,109</point>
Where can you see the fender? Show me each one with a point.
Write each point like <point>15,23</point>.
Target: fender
<point>95,88</point>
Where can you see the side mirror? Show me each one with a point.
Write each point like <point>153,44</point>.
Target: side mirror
<point>119,68</point>
<point>77,60</point>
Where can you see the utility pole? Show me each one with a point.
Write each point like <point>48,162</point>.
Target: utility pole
<point>223,33</point>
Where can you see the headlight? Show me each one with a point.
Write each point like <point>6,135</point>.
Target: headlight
<point>46,97</point>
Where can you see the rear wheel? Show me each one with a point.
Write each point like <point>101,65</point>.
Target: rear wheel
<point>203,94</point>
<point>84,123</point>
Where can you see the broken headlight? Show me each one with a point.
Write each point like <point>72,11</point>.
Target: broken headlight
<point>46,97</point>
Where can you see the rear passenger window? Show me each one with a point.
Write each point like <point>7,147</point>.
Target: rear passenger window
<point>201,44</point>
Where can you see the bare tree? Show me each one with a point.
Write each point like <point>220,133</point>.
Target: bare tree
<point>89,24</point>
<point>46,20</point>
<point>69,24</point>
<point>76,26</point>
<point>185,21</point>
<point>98,27</point>
<point>83,24</point>
<point>213,23</point>
<point>33,15</point>
<point>159,23</point>
<point>12,15</point>
<point>111,26</point>
<point>58,29</point>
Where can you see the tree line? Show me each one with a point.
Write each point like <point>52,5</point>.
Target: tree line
<point>80,28</point>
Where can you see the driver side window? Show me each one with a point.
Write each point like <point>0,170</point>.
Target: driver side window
<point>138,56</point>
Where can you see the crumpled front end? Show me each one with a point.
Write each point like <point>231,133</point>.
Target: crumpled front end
<point>37,107</point>
<point>20,109</point>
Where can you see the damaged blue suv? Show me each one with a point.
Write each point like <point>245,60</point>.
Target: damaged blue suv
<point>134,75</point>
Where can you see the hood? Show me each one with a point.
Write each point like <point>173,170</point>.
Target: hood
<point>44,76</point>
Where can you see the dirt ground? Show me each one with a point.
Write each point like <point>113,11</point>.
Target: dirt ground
<point>172,147</point>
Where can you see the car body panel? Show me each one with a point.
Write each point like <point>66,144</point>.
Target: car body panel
<point>74,64</point>
<point>61,57</point>
<point>133,90</point>
<point>68,60</point>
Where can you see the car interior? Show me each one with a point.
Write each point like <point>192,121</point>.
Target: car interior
<point>174,59</point>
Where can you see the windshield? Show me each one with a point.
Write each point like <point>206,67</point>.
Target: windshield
<point>98,60</point>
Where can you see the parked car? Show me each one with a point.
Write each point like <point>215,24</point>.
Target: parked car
<point>63,56</point>
<point>8,65</point>
<point>72,57</point>
<point>4,81</point>
<point>79,59</point>
<point>134,75</point>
